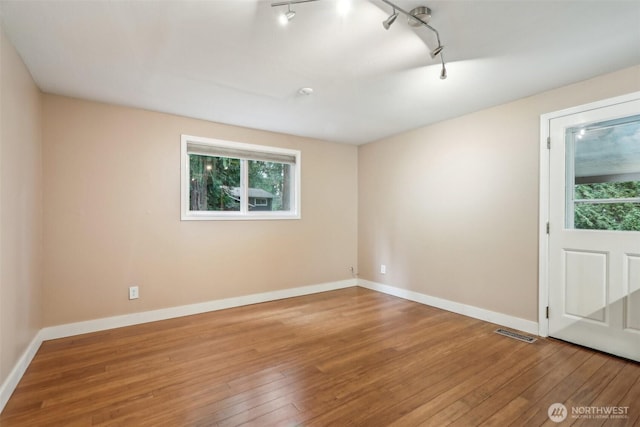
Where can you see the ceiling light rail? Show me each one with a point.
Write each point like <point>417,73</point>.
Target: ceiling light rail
<point>417,17</point>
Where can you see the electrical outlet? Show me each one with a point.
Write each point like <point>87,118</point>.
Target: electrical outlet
<point>134,292</point>
<point>383,269</point>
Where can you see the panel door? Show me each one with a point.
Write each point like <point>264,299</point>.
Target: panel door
<point>594,239</point>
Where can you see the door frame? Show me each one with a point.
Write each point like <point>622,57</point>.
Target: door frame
<point>543,215</point>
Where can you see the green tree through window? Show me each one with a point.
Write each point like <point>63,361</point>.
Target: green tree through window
<point>215,183</point>
<point>273,178</point>
<point>611,215</point>
<point>225,180</point>
<point>211,179</point>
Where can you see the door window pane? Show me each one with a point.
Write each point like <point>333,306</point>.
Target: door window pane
<point>603,175</point>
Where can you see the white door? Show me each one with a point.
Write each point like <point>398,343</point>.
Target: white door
<point>594,228</point>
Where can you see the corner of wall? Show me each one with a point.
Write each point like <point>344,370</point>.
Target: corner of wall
<point>21,235</point>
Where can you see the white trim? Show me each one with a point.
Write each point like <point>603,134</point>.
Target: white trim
<point>70,329</point>
<point>543,238</point>
<point>528,326</point>
<point>11,382</point>
<point>593,105</point>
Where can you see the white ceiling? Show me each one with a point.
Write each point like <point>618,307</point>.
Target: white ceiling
<point>230,61</point>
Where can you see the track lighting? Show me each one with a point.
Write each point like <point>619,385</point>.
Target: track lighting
<point>423,14</point>
<point>288,16</point>
<point>417,17</point>
<point>390,20</point>
<point>290,13</point>
<point>443,73</point>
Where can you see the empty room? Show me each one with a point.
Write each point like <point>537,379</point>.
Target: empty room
<point>319,213</point>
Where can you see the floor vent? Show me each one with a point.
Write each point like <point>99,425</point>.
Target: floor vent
<point>515,335</point>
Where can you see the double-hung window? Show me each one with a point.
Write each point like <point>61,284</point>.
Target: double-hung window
<point>232,180</point>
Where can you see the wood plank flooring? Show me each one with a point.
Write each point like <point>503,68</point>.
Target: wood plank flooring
<point>347,357</point>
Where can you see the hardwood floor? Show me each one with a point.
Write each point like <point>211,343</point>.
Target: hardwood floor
<point>347,357</point>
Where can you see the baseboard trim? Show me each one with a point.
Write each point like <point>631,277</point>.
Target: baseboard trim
<point>455,307</point>
<point>71,329</point>
<point>12,380</point>
<point>62,331</point>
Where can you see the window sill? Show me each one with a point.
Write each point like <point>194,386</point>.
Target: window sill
<point>233,216</point>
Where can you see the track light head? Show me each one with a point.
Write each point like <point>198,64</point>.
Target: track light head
<point>436,51</point>
<point>443,73</point>
<point>390,20</point>
<point>287,16</point>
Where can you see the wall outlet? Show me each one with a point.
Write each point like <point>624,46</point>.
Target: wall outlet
<point>383,269</point>
<point>134,292</point>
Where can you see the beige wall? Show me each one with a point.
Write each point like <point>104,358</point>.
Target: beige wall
<point>452,208</point>
<point>20,208</point>
<point>112,216</point>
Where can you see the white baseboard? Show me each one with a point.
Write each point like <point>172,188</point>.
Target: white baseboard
<point>455,307</point>
<point>12,380</point>
<point>62,331</point>
<point>70,329</point>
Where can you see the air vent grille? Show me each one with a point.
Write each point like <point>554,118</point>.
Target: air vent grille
<point>515,335</point>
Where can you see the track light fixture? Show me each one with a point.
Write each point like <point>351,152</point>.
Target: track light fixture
<point>443,73</point>
<point>436,51</point>
<point>390,20</point>
<point>343,6</point>
<point>417,17</point>
<point>290,14</point>
<point>421,12</point>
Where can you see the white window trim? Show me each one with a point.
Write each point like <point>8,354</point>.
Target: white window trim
<point>244,213</point>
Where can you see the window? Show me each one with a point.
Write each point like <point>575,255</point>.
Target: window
<point>232,180</point>
<point>603,175</point>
